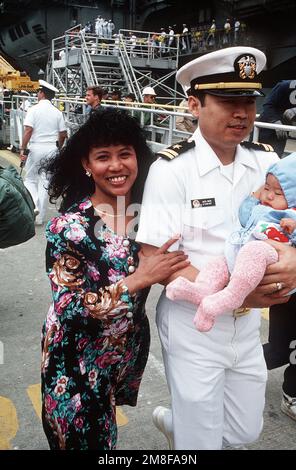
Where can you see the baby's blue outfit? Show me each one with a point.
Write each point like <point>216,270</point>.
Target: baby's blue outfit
<point>252,213</point>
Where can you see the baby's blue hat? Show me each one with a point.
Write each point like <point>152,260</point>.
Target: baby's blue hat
<point>285,171</point>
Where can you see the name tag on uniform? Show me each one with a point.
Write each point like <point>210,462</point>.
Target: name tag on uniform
<point>206,202</point>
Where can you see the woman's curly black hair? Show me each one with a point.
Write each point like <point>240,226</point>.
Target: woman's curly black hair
<point>106,126</point>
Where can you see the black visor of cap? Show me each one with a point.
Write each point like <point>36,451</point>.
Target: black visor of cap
<point>235,92</point>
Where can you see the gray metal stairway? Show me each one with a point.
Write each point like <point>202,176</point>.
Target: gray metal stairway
<point>110,77</point>
<point>78,61</point>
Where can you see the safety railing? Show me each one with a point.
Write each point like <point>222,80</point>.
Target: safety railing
<point>267,125</point>
<point>138,44</point>
<point>203,39</point>
<point>150,45</point>
<point>159,121</point>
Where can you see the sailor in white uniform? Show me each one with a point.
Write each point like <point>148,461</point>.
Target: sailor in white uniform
<point>44,129</point>
<point>216,379</point>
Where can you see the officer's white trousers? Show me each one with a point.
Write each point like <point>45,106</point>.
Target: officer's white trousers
<point>216,379</point>
<point>37,183</point>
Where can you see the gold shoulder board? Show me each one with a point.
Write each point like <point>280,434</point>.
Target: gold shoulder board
<point>257,146</point>
<point>175,150</point>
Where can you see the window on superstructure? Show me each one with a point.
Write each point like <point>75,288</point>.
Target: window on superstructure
<point>40,32</point>
<point>12,34</point>
<point>25,28</point>
<point>19,31</point>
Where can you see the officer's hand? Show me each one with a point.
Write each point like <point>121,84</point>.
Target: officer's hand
<point>290,115</point>
<point>280,133</point>
<point>265,296</point>
<point>284,271</point>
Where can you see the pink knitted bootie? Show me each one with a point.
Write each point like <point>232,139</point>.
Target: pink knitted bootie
<point>251,263</point>
<point>212,278</point>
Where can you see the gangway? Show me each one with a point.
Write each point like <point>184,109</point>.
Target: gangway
<point>128,61</point>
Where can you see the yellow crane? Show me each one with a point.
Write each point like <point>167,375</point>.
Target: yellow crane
<point>13,80</point>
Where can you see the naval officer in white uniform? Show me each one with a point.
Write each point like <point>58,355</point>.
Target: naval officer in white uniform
<point>44,127</point>
<point>216,379</point>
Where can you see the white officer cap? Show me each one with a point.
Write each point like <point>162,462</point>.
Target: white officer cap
<point>48,86</point>
<point>232,71</point>
<point>148,90</point>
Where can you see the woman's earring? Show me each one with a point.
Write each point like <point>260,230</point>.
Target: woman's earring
<point>88,173</point>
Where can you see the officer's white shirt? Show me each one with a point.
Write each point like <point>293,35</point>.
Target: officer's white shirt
<point>46,120</point>
<point>195,196</point>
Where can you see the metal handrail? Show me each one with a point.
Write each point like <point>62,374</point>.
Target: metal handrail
<point>88,62</point>
<point>268,125</point>
<point>147,36</point>
<point>168,133</point>
<point>74,28</point>
<point>126,67</point>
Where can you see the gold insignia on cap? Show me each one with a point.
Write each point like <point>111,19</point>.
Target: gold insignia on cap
<point>246,67</point>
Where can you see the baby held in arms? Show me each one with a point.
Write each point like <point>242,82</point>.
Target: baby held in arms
<point>224,283</point>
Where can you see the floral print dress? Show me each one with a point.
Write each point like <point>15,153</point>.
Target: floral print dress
<point>96,337</point>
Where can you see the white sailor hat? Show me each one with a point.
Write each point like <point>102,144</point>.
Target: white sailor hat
<point>48,86</point>
<point>232,71</point>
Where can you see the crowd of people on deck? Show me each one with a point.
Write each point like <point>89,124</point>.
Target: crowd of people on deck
<point>168,39</point>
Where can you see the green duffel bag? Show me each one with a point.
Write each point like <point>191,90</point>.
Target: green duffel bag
<point>16,209</point>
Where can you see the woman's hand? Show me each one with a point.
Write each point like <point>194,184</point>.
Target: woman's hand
<point>156,267</point>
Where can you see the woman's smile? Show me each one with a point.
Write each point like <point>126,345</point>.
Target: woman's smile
<point>117,180</point>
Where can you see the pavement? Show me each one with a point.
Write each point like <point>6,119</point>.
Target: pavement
<point>24,300</point>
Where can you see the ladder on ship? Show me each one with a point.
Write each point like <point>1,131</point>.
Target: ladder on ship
<point>78,61</point>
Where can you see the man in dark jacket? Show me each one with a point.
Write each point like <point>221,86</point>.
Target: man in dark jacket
<point>280,99</point>
<point>281,350</point>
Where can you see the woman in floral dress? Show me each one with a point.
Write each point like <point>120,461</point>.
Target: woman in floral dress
<point>96,334</point>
